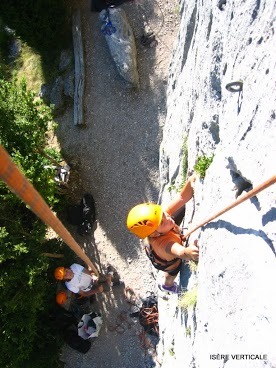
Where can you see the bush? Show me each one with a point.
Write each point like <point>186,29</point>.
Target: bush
<point>202,164</point>
<point>26,290</point>
<point>188,299</point>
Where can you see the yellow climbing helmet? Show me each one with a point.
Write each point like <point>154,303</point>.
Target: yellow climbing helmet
<point>144,219</point>
<point>59,273</point>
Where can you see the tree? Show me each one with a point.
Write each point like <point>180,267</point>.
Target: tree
<point>25,289</point>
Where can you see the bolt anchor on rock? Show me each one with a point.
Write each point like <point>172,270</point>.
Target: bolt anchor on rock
<point>234,86</point>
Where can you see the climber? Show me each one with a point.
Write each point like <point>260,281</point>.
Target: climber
<point>72,303</point>
<point>81,281</point>
<point>164,240</point>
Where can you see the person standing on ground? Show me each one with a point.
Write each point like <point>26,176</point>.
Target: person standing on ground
<point>164,239</point>
<point>80,281</point>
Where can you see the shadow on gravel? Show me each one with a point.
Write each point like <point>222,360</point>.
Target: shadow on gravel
<point>121,342</point>
<point>116,156</point>
<point>118,149</point>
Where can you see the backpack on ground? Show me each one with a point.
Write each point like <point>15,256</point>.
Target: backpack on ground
<point>67,324</point>
<point>88,214</point>
<point>74,214</point>
<point>148,315</point>
<point>83,215</point>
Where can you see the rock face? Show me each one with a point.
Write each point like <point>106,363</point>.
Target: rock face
<point>219,43</point>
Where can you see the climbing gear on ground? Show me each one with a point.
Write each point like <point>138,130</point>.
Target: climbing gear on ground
<point>83,215</point>
<point>20,185</point>
<point>59,273</point>
<point>61,297</point>
<point>147,312</point>
<point>234,86</point>
<point>144,219</point>
<point>157,262</point>
<point>148,315</point>
<point>88,215</point>
<point>238,201</point>
<point>169,289</point>
<point>107,27</point>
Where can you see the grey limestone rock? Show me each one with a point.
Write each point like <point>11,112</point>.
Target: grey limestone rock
<point>56,95</point>
<point>66,60</point>
<point>235,312</point>
<point>69,84</point>
<point>120,39</point>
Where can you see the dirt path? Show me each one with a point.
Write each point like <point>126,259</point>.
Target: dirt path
<point>117,157</point>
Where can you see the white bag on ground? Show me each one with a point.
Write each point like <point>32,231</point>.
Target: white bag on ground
<point>90,325</point>
<point>121,43</point>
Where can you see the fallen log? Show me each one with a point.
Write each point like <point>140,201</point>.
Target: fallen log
<point>79,69</point>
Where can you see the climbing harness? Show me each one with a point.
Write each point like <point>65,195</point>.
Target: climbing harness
<point>20,185</point>
<point>157,262</point>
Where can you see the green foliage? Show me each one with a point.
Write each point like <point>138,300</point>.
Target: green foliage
<point>171,350</point>
<point>202,164</point>
<point>188,331</point>
<point>25,288</point>
<point>172,186</point>
<point>188,299</point>
<point>24,122</point>
<point>193,266</point>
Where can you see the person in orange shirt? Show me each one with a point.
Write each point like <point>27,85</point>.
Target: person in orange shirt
<point>164,239</point>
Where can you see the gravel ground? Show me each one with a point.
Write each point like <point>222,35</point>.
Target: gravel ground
<point>116,156</point>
